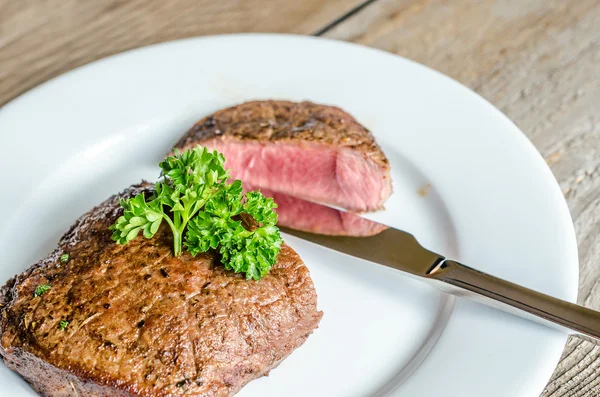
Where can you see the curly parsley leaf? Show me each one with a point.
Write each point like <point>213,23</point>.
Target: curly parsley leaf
<point>195,167</point>
<point>252,252</point>
<point>41,289</point>
<point>195,200</point>
<point>261,208</point>
<point>138,216</point>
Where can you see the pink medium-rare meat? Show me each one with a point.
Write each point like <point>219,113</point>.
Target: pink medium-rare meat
<point>293,212</point>
<point>309,171</point>
<point>303,150</point>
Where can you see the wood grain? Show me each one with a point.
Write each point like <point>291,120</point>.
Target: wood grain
<point>40,39</point>
<point>539,62</point>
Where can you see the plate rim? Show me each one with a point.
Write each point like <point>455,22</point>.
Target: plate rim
<point>518,134</point>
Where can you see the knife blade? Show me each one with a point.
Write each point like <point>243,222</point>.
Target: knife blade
<point>401,251</point>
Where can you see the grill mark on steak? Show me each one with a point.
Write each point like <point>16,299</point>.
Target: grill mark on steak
<point>202,331</point>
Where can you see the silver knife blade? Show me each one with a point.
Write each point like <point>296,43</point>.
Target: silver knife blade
<point>392,247</point>
<point>401,250</point>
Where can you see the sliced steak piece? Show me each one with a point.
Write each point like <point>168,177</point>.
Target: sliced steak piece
<point>144,323</point>
<point>310,217</point>
<point>303,150</point>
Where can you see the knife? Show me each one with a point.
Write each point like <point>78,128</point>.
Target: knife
<point>401,250</point>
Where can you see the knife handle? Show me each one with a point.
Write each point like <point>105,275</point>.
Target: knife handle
<point>566,316</point>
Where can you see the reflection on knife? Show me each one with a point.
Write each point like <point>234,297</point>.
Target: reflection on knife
<point>401,251</point>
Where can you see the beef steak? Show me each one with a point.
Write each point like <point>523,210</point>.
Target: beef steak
<point>144,323</point>
<point>299,152</point>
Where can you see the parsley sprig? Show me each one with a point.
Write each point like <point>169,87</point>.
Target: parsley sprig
<point>194,198</point>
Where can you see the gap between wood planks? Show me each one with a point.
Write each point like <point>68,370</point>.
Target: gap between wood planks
<point>343,17</point>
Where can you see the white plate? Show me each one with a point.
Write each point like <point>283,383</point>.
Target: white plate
<point>493,203</point>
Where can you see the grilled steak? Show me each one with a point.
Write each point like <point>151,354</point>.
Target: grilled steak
<point>305,151</point>
<point>132,320</point>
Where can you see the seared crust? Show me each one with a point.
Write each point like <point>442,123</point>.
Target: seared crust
<point>268,121</point>
<point>143,323</point>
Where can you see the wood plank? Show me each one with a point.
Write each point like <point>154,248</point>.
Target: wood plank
<point>538,61</point>
<point>40,39</point>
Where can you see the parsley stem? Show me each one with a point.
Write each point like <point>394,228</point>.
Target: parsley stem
<point>177,238</point>
<point>177,245</point>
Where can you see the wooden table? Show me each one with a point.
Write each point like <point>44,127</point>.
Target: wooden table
<point>536,60</point>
